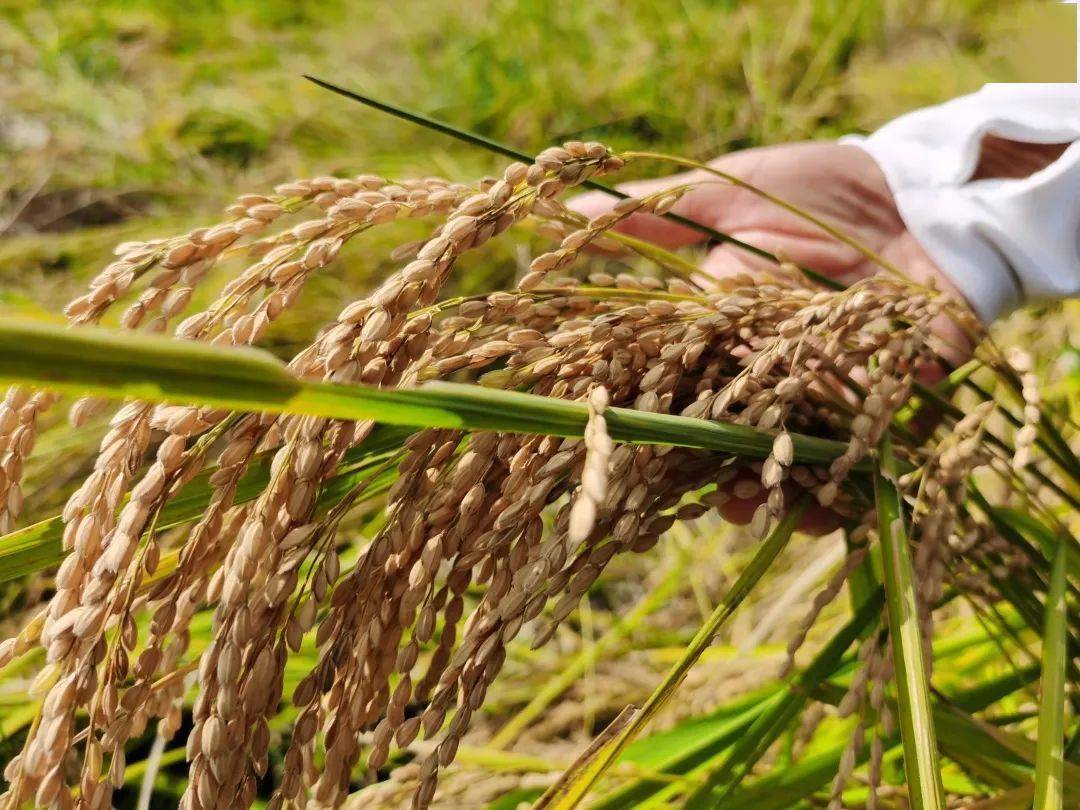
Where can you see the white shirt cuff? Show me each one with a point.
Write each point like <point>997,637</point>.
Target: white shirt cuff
<point>1002,242</point>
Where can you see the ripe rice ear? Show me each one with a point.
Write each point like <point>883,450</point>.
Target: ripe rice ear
<point>608,412</point>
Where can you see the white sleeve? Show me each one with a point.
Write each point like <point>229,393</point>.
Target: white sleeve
<point>1002,242</point>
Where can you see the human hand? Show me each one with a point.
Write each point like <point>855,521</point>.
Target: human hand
<point>841,185</point>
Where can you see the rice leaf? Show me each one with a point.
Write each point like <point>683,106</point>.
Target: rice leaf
<point>571,787</point>
<point>763,559</point>
<point>571,672</point>
<point>414,117</point>
<point>121,365</point>
<point>1049,542</point>
<point>698,740</point>
<point>39,545</point>
<point>767,728</point>
<point>961,735</point>
<point>921,764</point>
<point>1050,748</point>
<point>688,746</point>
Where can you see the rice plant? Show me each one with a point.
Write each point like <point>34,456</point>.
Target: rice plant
<point>498,453</point>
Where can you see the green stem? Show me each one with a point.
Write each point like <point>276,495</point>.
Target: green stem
<point>917,733</point>
<point>1050,747</point>
<point>570,674</point>
<point>122,365</point>
<point>749,577</point>
<point>499,148</point>
<point>767,728</point>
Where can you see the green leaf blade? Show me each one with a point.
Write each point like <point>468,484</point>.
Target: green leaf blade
<point>917,733</point>
<point>1050,747</point>
<point>763,559</point>
<point>121,365</point>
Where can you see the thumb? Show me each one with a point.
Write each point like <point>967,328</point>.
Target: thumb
<point>699,204</point>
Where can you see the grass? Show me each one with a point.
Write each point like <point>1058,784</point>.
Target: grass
<point>88,85</point>
<point>155,111</point>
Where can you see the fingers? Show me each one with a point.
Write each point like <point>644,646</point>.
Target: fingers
<point>807,249</point>
<point>727,261</point>
<point>700,205</point>
<point>816,520</point>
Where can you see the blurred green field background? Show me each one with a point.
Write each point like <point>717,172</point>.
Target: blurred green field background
<point>124,119</point>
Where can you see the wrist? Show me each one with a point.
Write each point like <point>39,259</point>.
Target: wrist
<point>1002,158</point>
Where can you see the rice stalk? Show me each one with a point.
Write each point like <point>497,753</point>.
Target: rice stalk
<point>1049,756</point>
<point>913,689</point>
<point>624,730</point>
<point>599,415</point>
